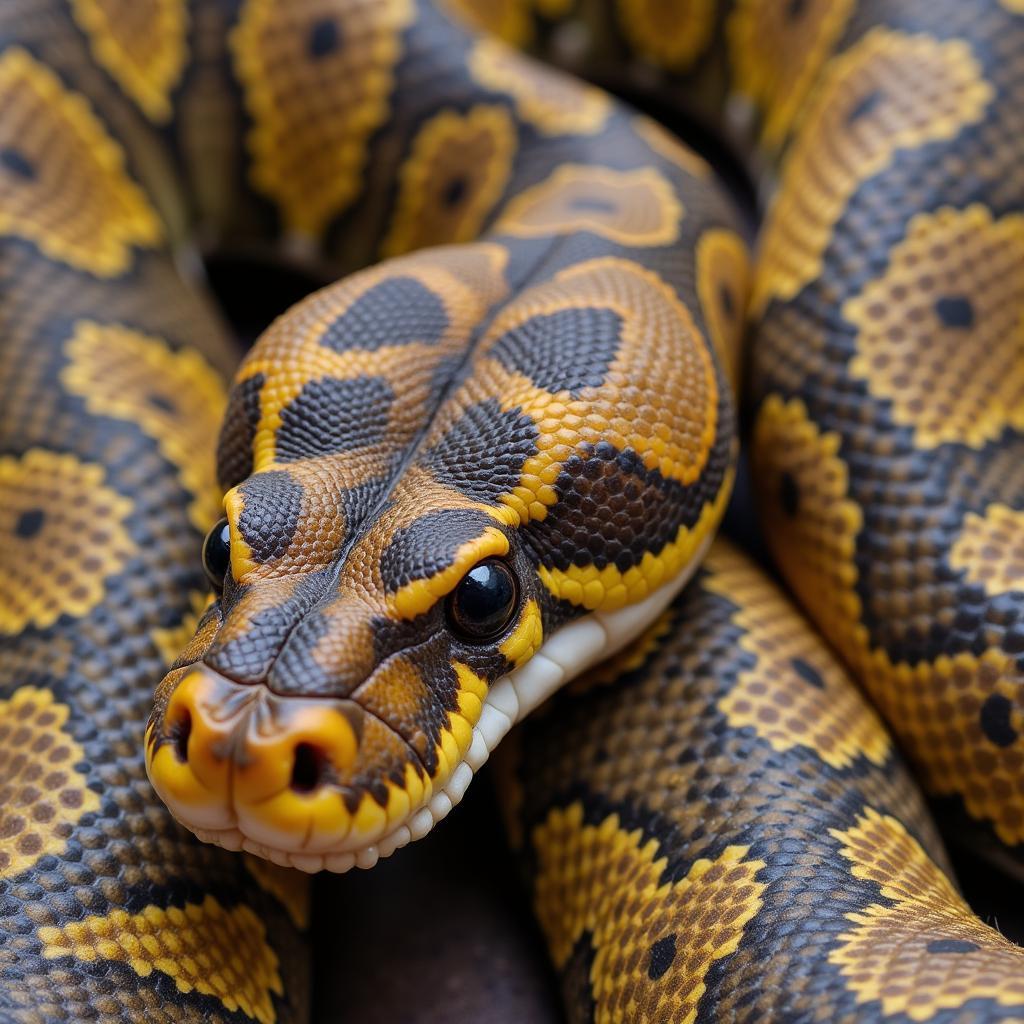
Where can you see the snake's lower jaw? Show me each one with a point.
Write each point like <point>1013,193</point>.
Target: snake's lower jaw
<point>247,769</point>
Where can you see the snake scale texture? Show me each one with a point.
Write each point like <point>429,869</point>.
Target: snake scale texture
<point>471,479</point>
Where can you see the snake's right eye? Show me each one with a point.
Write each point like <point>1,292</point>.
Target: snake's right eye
<point>483,602</point>
<point>217,553</point>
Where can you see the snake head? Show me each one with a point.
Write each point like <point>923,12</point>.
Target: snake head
<point>325,718</point>
<point>425,538</point>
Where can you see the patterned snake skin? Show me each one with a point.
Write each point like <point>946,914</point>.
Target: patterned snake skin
<point>458,479</point>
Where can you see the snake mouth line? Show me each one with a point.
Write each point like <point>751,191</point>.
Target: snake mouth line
<point>571,650</point>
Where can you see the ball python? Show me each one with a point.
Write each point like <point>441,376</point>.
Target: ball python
<point>461,477</point>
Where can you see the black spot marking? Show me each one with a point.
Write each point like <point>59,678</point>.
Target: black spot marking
<point>234,446</point>
<point>324,38</point>
<point>864,106</point>
<point>483,453</point>
<point>995,720</point>
<point>270,514</point>
<point>955,311</point>
<point>17,163</point>
<point>428,545</point>
<point>808,673</point>
<point>952,946</point>
<point>454,192</point>
<point>564,351</point>
<point>29,523</point>
<point>789,495</point>
<point>795,9</point>
<point>593,204</point>
<point>398,311</point>
<point>361,499</point>
<point>332,416</point>
<point>663,953</point>
<point>611,510</point>
<point>727,301</point>
<point>162,403</point>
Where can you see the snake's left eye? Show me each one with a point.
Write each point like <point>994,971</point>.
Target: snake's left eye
<point>484,601</point>
<point>217,553</point>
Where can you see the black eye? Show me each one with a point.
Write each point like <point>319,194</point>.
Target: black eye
<point>482,604</point>
<point>217,553</point>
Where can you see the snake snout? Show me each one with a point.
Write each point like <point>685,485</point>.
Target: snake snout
<point>245,767</point>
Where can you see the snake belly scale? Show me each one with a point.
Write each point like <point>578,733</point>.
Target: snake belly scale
<point>489,458</point>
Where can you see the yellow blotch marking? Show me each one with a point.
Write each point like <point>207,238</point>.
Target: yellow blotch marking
<point>941,332</point>
<point>990,549</point>
<point>289,886</point>
<point>89,220</point>
<point>609,588</point>
<point>605,881</point>
<point>172,640</point>
<point>553,10</point>
<point>886,955</point>
<point>777,56</point>
<point>546,99</point>
<point>525,640</point>
<point>44,794</point>
<point>935,708</point>
<point>670,148</point>
<point>1014,6</point>
<point>141,43</point>
<point>62,535</point>
<point>891,91</point>
<point>418,596</point>
<point>815,545</point>
<point>176,398</point>
<point>471,151</point>
<point>203,781</point>
<point>466,279</point>
<point>942,711</point>
<point>636,207</point>
<point>243,562</point>
<point>309,157</point>
<point>670,34</point>
<point>723,286</point>
<point>778,697</point>
<point>203,946</point>
<point>509,20</point>
<point>457,737</point>
<point>671,423</point>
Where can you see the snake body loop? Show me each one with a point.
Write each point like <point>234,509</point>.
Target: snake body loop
<point>473,476</point>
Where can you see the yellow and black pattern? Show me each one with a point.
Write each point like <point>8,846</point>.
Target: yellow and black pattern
<point>452,481</point>
<point>685,865</point>
<point>887,442</point>
<point>111,387</point>
<point>473,403</point>
<point>142,44</point>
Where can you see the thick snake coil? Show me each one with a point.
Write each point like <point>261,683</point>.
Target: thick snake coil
<point>460,479</point>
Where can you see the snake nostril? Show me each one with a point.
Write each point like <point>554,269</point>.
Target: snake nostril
<point>307,768</point>
<point>179,732</point>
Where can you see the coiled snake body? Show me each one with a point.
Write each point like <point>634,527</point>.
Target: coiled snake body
<point>458,480</point>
